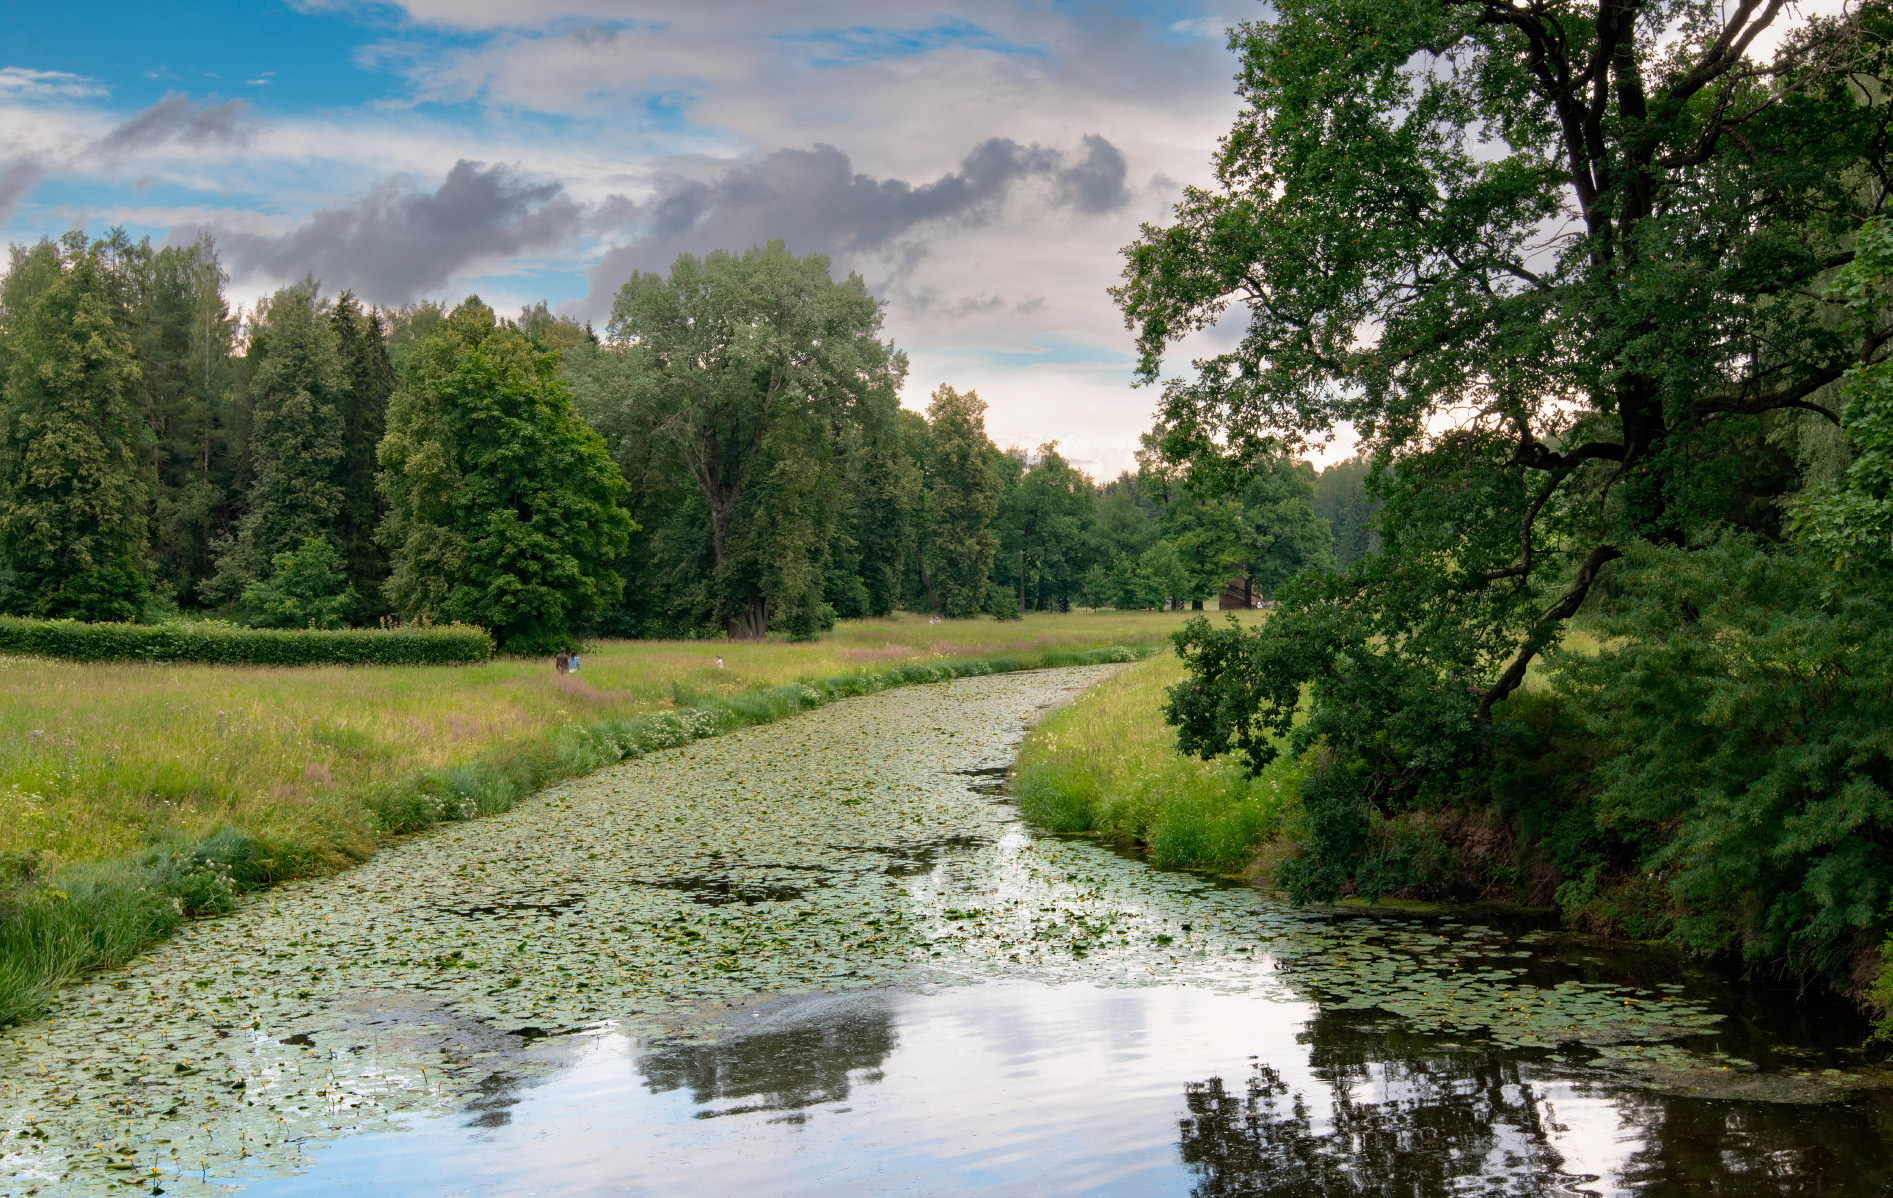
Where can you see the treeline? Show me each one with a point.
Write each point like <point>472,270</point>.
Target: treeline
<point>728,457</point>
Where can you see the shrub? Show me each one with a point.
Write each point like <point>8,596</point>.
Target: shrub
<point>224,645</point>
<point>1749,748</point>
<point>307,588</point>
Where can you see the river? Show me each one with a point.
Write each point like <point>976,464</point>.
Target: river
<point>825,957</point>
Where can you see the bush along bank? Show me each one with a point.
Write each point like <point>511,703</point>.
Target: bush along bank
<point>223,644</point>
<point>58,924</point>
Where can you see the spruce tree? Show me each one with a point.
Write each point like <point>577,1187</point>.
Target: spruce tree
<point>362,344</point>
<point>182,331</point>
<point>75,485</point>
<point>297,438</point>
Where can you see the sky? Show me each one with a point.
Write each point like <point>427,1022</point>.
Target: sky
<point>979,164</point>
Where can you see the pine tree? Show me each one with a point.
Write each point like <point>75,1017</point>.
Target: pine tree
<point>75,485</point>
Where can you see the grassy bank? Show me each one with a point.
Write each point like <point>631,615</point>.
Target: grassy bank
<point>98,761</point>
<point>1106,765</point>
<point>136,797</point>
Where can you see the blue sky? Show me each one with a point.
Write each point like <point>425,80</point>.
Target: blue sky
<point>979,164</point>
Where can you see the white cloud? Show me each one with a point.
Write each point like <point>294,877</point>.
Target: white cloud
<point>23,83</point>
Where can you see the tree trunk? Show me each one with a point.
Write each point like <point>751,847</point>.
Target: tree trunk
<point>753,624</point>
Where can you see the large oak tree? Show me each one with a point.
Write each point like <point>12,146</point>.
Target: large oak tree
<point>1564,267</point>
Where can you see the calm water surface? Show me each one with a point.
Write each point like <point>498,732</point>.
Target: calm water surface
<point>1227,1083</point>
<point>1017,1088</point>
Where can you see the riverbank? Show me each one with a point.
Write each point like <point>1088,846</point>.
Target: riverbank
<point>1107,766</point>
<point>711,968</point>
<point>138,796</point>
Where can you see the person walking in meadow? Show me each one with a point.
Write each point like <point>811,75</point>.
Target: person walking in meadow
<point>573,664</point>
<point>562,662</point>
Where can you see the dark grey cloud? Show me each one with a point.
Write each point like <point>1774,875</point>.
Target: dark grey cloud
<point>1095,183</point>
<point>17,177</point>
<point>815,202</point>
<point>398,242</point>
<point>175,119</point>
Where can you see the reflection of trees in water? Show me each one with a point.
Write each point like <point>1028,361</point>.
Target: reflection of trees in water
<point>1795,1150</point>
<point>800,1059</point>
<point>1419,1126</point>
<point>1410,1118</point>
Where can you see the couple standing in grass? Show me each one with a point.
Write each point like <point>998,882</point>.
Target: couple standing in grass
<point>566,662</point>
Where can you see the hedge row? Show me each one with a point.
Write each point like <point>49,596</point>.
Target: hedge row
<point>94,916</point>
<point>450,644</point>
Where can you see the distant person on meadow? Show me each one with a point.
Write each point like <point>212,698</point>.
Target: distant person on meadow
<point>562,662</point>
<point>573,665</point>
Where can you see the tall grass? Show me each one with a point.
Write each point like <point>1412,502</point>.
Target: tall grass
<point>98,761</point>
<point>1107,765</point>
<point>58,921</point>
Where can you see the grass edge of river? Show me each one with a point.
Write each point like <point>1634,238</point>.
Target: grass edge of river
<point>1107,766</point>
<point>94,915</point>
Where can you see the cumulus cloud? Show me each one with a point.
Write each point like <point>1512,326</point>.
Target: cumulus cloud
<point>398,241</point>
<point>816,202</point>
<point>174,119</point>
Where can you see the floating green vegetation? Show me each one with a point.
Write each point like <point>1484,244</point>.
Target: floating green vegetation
<point>857,846</point>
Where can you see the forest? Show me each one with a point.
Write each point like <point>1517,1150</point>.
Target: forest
<point>729,457</point>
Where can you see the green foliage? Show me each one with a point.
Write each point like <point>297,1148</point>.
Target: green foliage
<point>1532,409</point>
<point>502,504</point>
<point>306,589</point>
<point>116,590</point>
<point>229,645</point>
<point>74,487</point>
<point>1340,498</point>
<point>182,332</point>
<point>738,394</point>
<point>1001,603</point>
<point>1750,745</point>
<point>296,399</point>
<point>962,498</point>
<point>368,374</point>
<point>888,487</point>
<point>1046,531</point>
